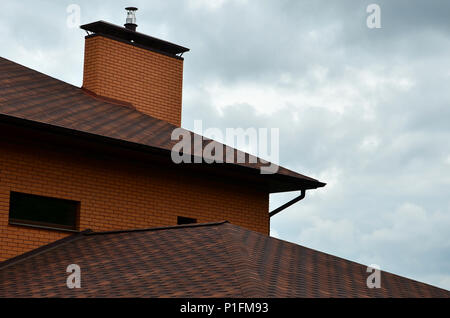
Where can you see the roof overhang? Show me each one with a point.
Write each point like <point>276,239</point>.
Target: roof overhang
<point>272,183</point>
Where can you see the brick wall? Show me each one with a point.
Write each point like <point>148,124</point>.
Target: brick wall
<point>117,195</point>
<point>152,82</point>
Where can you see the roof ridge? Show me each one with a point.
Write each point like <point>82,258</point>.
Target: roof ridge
<point>251,283</point>
<point>43,249</point>
<point>89,232</point>
<point>152,229</point>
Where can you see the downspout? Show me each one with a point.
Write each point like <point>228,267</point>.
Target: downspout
<point>288,204</point>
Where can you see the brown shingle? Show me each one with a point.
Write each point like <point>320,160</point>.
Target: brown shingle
<point>206,260</point>
<point>29,95</point>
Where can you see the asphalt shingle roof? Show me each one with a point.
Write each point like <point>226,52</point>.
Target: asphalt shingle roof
<point>206,260</point>
<point>32,96</point>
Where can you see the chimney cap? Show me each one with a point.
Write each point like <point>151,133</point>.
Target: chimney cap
<point>130,23</point>
<point>140,39</point>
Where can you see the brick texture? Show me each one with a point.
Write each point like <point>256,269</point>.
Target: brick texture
<point>117,195</point>
<point>151,81</point>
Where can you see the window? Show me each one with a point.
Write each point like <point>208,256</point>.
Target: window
<point>184,220</point>
<point>45,212</point>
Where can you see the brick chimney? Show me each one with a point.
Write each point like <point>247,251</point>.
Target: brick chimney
<point>125,65</point>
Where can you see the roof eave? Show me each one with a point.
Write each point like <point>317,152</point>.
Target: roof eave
<point>276,183</point>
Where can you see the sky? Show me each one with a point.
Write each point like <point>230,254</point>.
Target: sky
<point>365,110</point>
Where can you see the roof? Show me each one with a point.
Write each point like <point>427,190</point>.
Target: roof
<point>34,98</point>
<point>146,41</point>
<point>206,260</point>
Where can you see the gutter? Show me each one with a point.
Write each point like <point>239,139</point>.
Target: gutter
<point>288,204</point>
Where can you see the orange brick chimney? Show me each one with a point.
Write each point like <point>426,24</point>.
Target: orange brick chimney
<point>122,64</point>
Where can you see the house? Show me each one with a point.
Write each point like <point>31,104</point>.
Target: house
<point>86,177</point>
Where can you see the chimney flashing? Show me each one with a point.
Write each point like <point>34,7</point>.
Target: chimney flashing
<point>135,38</point>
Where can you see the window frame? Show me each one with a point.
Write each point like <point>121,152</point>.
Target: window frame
<point>185,218</point>
<point>41,224</point>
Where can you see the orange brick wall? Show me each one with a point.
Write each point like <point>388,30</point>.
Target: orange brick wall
<point>117,195</point>
<point>152,82</point>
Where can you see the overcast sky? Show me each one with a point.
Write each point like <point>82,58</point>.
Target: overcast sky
<point>365,110</point>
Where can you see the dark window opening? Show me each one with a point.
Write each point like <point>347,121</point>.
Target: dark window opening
<point>45,212</point>
<point>184,220</point>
